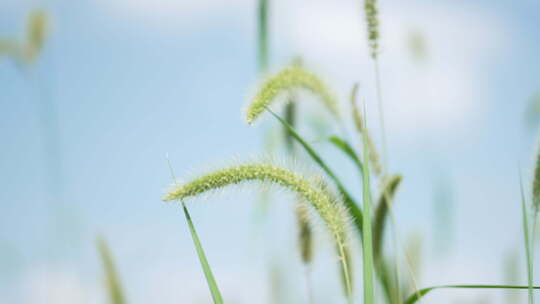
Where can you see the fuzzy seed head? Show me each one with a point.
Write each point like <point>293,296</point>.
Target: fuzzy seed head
<point>329,209</point>
<point>370,7</point>
<point>290,78</point>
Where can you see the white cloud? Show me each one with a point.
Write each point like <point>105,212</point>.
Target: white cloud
<point>42,285</point>
<point>446,91</point>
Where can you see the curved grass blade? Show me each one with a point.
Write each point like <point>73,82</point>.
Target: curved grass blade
<point>212,285</point>
<point>422,292</point>
<point>116,295</point>
<point>348,150</point>
<point>352,207</point>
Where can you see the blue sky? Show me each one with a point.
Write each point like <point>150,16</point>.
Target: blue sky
<point>132,81</point>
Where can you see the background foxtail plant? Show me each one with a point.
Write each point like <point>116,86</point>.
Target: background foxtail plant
<point>25,50</point>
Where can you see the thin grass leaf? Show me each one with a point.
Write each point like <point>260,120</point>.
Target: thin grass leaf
<point>413,298</point>
<point>354,211</point>
<point>348,150</point>
<point>212,285</point>
<point>114,288</point>
<point>527,242</point>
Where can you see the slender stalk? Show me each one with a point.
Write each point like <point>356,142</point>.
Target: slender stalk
<point>366,228</point>
<point>381,115</point>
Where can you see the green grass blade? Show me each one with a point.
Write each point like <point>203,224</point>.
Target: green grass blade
<point>114,288</point>
<point>413,298</point>
<point>212,285</point>
<point>348,150</point>
<point>366,229</point>
<point>527,242</point>
<point>353,209</point>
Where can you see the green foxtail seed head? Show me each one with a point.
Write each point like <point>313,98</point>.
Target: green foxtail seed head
<point>536,185</point>
<point>329,209</point>
<point>290,78</point>
<point>370,7</point>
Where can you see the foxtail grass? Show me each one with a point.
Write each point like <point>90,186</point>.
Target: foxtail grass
<point>372,22</point>
<point>288,79</point>
<point>373,35</point>
<point>329,209</point>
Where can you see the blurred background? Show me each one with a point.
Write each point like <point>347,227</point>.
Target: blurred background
<point>85,128</point>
